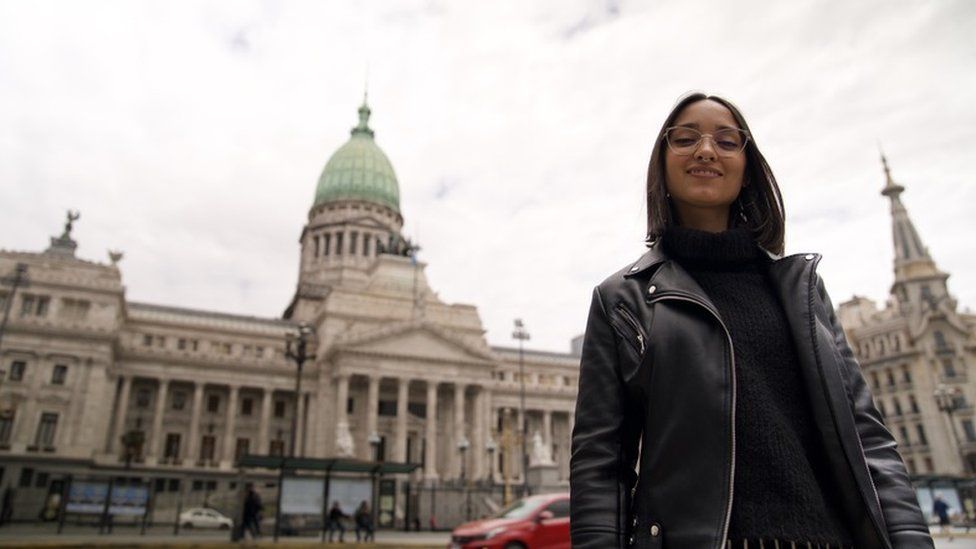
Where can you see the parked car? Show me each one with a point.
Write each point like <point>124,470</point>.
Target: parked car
<point>201,517</point>
<point>535,522</point>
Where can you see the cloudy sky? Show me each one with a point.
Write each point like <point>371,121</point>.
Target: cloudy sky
<point>191,135</point>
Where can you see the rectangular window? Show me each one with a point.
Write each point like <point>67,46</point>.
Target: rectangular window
<point>353,240</point>
<point>315,239</point>
<point>160,341</point>
<point>207,444</point>
<point>921,434</point>
<point>59,374</point>
<point>46,429</point>
<point>277,447</point>
<point>969,429</point>
<point>247,406</point>
<point>195,345</point>
<point>6,426</point>
<point>906,375</point>
<point>213,403</point>
<point>197,485</point>
<point>279,408</point>
<point>147,340</point>
<point>27,303</point>
<point>905,441</point>
<point>259,351</point>
<point>242,448</point>
<point>174,485</point>
<point>948,367</point>
<point>417,409</point>
<point>26,476</point>
<point>159,485</point>
<point>43,303</point>
<point>17,369</point>
<point>338,243</point>
<point>41,481</point>
<point>387,408</point>
<point>326,243</point>
<point>350,405</point>
<point>366,241</point>
<point>181,344</point>
<point>143,396</point>
<point>172,449</point>
<point>179,400</point>
<point>74,309</point>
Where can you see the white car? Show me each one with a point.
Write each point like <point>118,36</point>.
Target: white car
<point>201,517</point>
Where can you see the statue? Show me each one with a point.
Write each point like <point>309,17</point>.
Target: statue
<point>540,452</point>
<point>115,256</point>
<point>69,224</point>
<point>344,442</point>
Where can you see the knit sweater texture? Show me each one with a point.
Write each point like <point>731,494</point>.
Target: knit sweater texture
<point>783,489</point>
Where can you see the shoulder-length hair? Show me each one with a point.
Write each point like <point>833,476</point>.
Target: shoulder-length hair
<point>759,206</point>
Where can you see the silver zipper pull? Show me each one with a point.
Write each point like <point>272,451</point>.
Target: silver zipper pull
<point>640,340</point>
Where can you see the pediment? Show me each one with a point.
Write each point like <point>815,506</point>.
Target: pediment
<point>417,341</point>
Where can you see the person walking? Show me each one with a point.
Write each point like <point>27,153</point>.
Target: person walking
<point>335,522</point>
<point>364,522</point>
<point>252,512</point>
<point>941,510</point>
<point>719,367</point>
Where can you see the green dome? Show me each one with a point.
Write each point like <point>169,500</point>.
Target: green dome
<point>359,170</point>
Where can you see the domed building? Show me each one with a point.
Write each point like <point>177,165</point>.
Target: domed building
<point>101,386</point>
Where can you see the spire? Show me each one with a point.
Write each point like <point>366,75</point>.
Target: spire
<point>908,246</point>
<point>364,112</point>
<point>919,284</point>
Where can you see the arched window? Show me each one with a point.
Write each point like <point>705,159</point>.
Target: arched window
<point>897,405</point>
<point>940,341</point>
<point>913,404</point>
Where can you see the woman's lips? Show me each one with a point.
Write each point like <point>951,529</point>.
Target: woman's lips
<point>703,172</point>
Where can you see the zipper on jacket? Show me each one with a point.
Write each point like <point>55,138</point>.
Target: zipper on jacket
<point>681,296</point>
<point>629,319</point>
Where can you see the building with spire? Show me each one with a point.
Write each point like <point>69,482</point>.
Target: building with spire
<point>99,385</point>
<point>916,353</point>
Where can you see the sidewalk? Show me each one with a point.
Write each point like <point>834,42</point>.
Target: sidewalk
<point>77,537</point>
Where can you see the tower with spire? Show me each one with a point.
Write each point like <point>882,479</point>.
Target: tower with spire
<point>918,346</point>
<point>919,284</point>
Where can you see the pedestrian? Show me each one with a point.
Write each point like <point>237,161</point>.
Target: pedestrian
<point>718,369</point>
<point>941,510</point>
<point>252,512</point>
<point>335,521</point>
<point>364,522</point>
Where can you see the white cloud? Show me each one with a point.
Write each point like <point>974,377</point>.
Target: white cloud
<point>191,135</point>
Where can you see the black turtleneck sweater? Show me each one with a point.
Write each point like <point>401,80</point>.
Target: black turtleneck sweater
<point>783,490</point>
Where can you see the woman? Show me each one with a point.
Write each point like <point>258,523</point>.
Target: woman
<point>364,522</point>
<point>719,369</point>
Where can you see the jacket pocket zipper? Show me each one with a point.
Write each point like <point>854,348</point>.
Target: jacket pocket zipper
<point>629,319</point>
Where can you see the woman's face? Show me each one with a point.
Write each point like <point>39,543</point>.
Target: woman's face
<point>704,184</point>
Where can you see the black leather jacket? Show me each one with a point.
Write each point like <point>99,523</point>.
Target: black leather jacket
<point>658,373</point>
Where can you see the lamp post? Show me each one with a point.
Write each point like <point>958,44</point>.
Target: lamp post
<point>947,399</point>
<point>463,445</point>
<point>17,280</point>
<point>522,335</point>
<point>297,350</point>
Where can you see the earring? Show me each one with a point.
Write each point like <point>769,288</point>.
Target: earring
<point>742,212</point>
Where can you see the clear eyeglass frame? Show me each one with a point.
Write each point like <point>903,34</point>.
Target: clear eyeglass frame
<point>701,137</point>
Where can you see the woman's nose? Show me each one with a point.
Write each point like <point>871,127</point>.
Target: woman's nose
<point>705,151</point>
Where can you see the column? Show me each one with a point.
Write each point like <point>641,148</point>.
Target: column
<point>479,436</point>
<point>430,446</point>
<point>403,395</point>
<point>310,447</point>
<point>123,405</point>
<point>193,444</point>
<point>547,431</point>
<point>157,425</point>
<point>344,444</point>
<point>265,424</point>
<point>230,426</point>
<point>372,402</point>
<point>459,430</point>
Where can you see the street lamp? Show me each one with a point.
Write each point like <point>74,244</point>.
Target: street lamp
<point>947,399</point>
<point>463,445</point>
<point>522,335</point>
<point>297,350</point>
<point>17,280</point>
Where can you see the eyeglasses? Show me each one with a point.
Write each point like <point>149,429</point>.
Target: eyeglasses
<point>684,141</point>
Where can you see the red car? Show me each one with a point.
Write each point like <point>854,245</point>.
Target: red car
<point>535,522</point>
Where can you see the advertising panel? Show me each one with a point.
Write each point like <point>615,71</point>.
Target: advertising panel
<point>302,496</point>
<point>86,497</point>
<point>129,500</point>
<point>350,492</point>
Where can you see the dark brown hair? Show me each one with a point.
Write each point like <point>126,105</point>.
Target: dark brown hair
<point>759,206</point>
